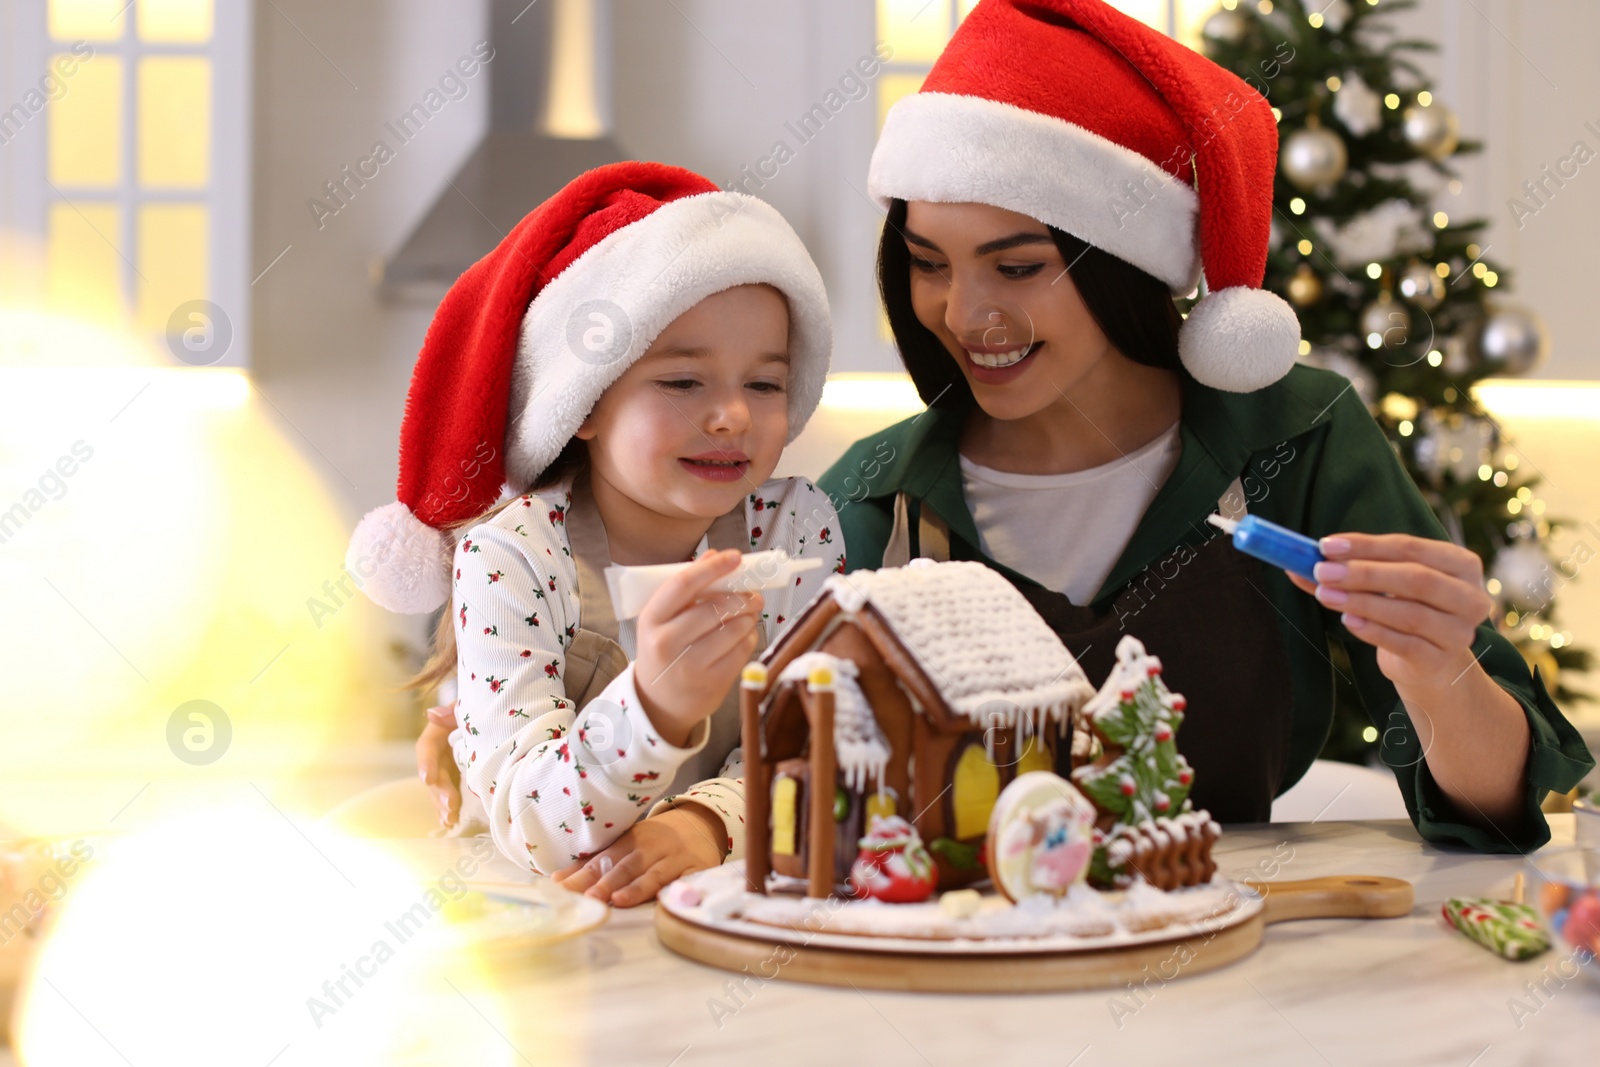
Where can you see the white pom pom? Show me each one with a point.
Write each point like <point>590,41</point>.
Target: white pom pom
<point>399,561</point>
<point>1240,339</point>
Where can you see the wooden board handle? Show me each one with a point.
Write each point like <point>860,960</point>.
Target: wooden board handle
<point>1345,896</point>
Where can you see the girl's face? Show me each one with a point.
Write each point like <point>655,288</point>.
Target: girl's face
<point>993,287</point>
<point>701,419</point>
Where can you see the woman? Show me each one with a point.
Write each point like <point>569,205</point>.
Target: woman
<point>1042,208</point>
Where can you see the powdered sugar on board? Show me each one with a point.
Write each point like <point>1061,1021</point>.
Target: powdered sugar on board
<point>1085,921</point>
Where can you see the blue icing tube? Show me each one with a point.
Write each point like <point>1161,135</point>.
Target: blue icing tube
<point>1271,543</point>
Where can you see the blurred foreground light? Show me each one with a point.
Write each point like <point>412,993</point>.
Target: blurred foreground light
<point>234,937</point>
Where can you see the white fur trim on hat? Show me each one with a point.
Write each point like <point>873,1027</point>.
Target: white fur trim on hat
<point>1239,339</point>
<point>399,561</point>
<point>594,320</point>
<point>946,148</point>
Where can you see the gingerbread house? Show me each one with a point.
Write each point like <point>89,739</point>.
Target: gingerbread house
<point>920,691</point>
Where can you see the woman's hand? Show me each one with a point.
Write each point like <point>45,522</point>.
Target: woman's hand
<point>653,853</point>
<point>436,764</point>
<point>1417,600</point>
<point>692,644</point>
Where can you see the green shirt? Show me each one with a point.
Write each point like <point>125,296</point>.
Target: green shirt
<point>1311,458</point>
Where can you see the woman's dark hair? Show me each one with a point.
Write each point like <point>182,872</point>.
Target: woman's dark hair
<point>1133,309</point>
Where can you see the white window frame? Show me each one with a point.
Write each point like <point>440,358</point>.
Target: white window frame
<point>26,194</point>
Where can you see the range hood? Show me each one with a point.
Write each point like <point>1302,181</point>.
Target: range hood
<point>550,87</point>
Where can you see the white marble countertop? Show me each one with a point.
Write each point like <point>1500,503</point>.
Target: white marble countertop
<point>1403,991</point>
<point>1337,991</point>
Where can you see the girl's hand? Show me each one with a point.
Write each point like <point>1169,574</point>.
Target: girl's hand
<point>653,853</point>
<point>436,764</point>
<point>692,644</point>
<point>1419,601</point>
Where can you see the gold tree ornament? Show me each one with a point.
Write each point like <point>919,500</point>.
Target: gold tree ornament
<point>1305,286</point>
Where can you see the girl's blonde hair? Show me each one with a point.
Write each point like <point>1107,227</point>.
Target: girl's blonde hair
<point>442,661</point>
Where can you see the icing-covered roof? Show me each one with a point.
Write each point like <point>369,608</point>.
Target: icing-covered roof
<point>977,639</point>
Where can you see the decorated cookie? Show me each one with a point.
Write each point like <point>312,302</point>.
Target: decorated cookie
<point>893,865</point>
<point>1041,837</point>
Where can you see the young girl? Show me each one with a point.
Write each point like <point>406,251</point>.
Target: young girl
<point>630,361</point>
<point>1064,170</point>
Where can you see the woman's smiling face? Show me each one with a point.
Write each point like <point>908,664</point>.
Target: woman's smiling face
<point>993,287</point>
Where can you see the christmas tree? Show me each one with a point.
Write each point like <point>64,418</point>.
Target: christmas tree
<point>1397,296</point>
<point>1138,775</point>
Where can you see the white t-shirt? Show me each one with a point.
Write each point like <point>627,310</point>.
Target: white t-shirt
<point>1066,531</point>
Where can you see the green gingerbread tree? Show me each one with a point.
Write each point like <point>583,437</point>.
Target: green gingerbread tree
<point>1138,775</point>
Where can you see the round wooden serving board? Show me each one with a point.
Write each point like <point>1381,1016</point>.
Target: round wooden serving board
<point>785,954</point>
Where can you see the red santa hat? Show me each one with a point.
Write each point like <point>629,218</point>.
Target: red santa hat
<point>1086,119</point>
<point>528,338</point>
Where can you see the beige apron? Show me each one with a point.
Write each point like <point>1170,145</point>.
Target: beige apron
<point>595,656</point>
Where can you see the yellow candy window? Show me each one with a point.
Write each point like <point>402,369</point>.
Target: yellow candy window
<point>785,805</point>
<point>977,787</point>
